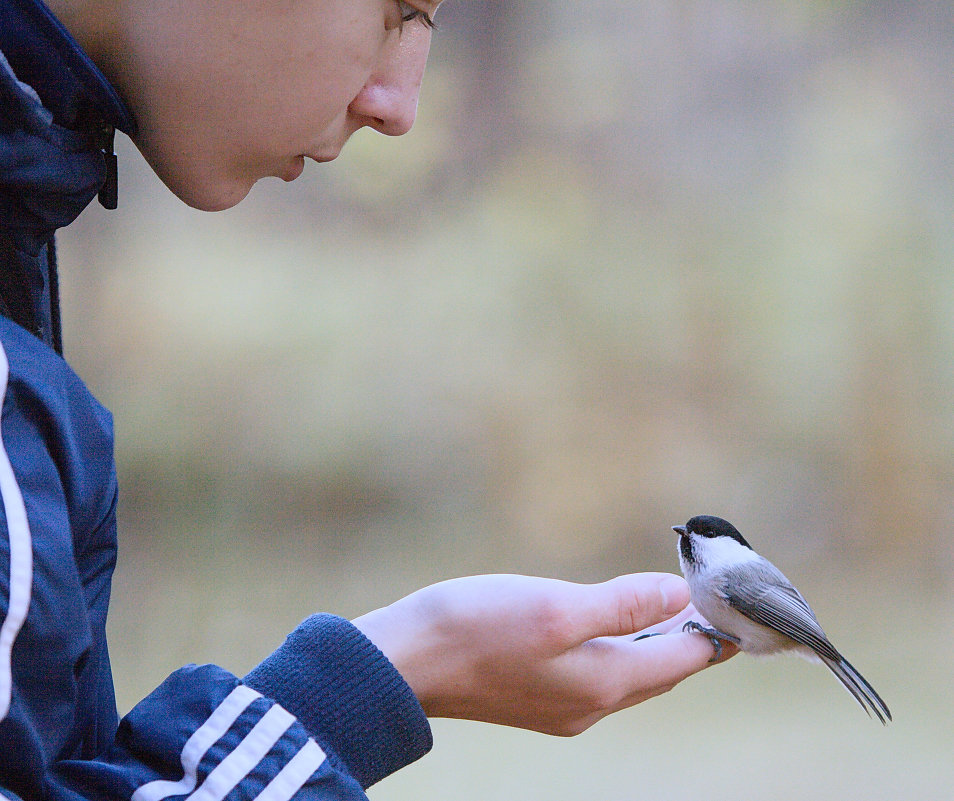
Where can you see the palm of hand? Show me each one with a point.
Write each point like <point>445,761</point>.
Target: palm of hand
<point>535,653</point>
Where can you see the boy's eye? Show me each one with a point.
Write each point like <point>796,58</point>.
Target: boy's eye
<point>408,12</point>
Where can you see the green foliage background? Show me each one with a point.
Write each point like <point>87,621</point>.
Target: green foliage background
<point>637,261</point>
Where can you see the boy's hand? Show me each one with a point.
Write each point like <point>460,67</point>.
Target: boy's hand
<point>539,654</point>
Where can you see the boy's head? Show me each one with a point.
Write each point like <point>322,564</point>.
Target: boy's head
<point>229,91</point>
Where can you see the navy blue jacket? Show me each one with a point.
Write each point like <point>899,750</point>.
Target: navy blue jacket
<point>323,717</point>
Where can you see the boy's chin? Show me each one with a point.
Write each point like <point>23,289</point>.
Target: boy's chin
<point>211,196</point>
<point>200,187</point>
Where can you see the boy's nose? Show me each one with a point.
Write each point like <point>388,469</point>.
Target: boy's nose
<point>388,101</point>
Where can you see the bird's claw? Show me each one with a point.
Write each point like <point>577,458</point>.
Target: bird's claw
<point>715,637</point>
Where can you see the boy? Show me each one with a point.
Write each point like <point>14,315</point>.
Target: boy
<point>217,94</point>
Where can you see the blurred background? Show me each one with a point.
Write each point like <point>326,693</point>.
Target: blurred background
<point>637,261</point>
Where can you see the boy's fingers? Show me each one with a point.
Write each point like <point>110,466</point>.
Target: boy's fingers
<point>628,604</point>
<point>657,664</point>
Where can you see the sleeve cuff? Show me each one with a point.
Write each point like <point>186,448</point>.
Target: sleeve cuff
<point>348,695</point>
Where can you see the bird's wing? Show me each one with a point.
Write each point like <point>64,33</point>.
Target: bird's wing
<point>760,592</point>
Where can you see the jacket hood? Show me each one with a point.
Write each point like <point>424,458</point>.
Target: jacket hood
<point>57,116</point>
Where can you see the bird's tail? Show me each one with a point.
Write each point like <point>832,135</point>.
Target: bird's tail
<point>858,686</point>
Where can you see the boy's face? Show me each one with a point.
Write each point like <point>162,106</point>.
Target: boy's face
<point>229,91</point>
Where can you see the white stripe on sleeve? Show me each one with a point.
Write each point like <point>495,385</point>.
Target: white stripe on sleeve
<point>290,779</point>
<point>202,739</point>
<point>21,557</point>
<point>237,765</point>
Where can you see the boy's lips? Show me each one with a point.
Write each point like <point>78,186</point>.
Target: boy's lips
<point>295,168</point>
<point>321,158</point>
<point>297,165</point>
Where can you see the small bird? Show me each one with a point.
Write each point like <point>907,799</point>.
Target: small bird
<point>748,601</point>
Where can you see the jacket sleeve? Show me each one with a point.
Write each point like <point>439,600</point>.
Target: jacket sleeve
<point>323,717</point>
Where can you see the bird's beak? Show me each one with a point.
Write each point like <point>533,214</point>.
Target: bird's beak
<point>679,529</point>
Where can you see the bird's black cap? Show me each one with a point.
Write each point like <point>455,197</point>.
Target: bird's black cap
<point>710,526</point>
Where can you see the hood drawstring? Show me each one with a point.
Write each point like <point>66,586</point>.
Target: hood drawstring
<point>109,193</point>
